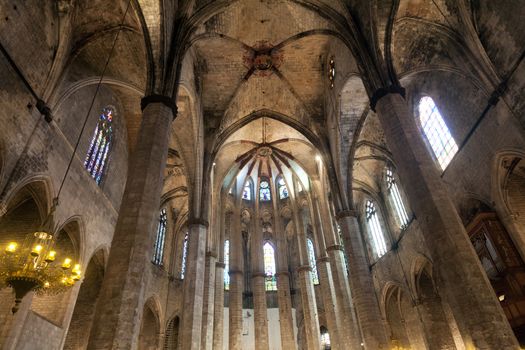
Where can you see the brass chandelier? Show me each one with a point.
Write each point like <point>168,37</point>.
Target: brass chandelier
<point>32,266</point>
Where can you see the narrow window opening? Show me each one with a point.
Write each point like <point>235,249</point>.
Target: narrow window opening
<point>437,132</point>
<point>378,238</point>
<point>158,250</point>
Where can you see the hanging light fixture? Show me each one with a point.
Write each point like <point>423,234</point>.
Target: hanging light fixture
<point>31,266</point>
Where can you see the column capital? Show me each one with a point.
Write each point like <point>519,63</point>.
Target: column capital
<point>165,100</point>
<point>304,268</point>
<point>383,91</point>
<point>346,213</point>
<point>282,273</point>
<point>211,255</point>
<point>335,247</point>
<point>235,272</point>
<point>323,259</point>
<point>198,221</point>
<point>220,265</point>
<point>258,274</point>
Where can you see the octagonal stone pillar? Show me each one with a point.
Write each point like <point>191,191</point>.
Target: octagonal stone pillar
<point>118,313</point>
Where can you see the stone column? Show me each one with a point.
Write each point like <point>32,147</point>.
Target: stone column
<point>334,316</point>
<point>463,283</point>
<point>284,297</point>
<point>236,283</point>
<point>119,309</point>
<point>193,286</point>
<point>348,324</point>
<point>258,286</point>
<point>209,302</point>
<point>285,311</point>
<point>306,286</point>
<point>334,321</point>
<point>260,310</point>
<point>311,317</point>
<point>361,284</point>
<point>434,323</point>
<point>218,310</point>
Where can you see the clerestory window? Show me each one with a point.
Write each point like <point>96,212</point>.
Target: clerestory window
<point>436,131</point>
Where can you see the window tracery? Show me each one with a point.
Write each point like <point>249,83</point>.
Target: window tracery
<point>378,238</point>
<point>436,131</point>
<point>395,195</point>
<point>264,191</point>
<point>247,191</point>
<point>96,158</point>
<point>283,190</point>
<point>158,250</point>
<point>269,267</point>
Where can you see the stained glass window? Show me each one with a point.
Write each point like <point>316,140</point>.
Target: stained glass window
<point>325,339</point>
<point>247,191</point>
<point>264,191</point>
<point>311,259</point>
<point>437,132</point>
<point>158,249</point>
<point>184,255</point>
<point>395,195</point>
<point>378,239</point>
<point>283,190</point>
<point>269,266</point>
<point>96,158</point>
<point>227,264</point>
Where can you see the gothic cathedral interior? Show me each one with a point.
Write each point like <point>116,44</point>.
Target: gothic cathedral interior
<point>262,174</point>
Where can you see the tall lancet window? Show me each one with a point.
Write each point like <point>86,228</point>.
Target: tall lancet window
<point>158,250</point>
<point>264,191</point>
<point>247,191</point>
<point>226,264</point>
<point>376,232</point>
<point>269,267</point>
<point>397,201</point>
<point>437,132</point>
<point>283,191</point>
<point>311,259</point>
<point>96,158</point>
<point>184,255</point>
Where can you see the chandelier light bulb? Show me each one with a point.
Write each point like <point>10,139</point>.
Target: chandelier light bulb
<point>76,269</point>
<point>66,264</point>
<point>11,247</point>
<point>37,249</point>
<point>51,256</point>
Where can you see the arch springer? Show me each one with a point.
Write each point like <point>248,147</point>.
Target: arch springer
<point>383,91</point>
<point>165,100</point>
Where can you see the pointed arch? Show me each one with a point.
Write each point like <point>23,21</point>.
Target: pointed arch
<point>269,266</point>
<point>247,192</point>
